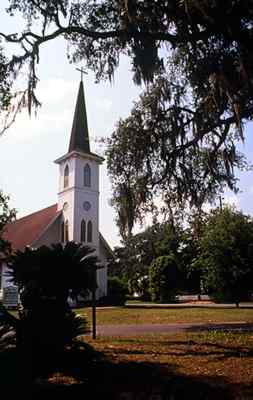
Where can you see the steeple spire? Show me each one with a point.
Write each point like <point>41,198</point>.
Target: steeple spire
<point>79,139</point>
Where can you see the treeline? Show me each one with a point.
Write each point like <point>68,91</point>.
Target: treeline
<point>212,254</point>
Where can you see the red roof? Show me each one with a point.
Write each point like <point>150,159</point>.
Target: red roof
<point>24,231</point>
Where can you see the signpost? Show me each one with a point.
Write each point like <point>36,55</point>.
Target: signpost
<point>10,297</point>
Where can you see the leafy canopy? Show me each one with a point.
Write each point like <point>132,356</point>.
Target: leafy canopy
<point>168,147</point>
<point>226,254</point>
<point>210,42</point>
<point>163,278</point>
<point>7,215</point>
<point>132,261</point>
<point>205,50</point>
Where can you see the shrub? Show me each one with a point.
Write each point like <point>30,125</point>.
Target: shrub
<point>163,278</point>
<point>117,292</point>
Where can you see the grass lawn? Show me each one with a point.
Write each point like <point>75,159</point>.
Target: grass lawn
<point>187,366</point>
<point>199,366</point>
<point>125,315</point>
<point>176,366</point>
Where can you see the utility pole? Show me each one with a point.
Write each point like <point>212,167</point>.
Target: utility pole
<point>220,202</point>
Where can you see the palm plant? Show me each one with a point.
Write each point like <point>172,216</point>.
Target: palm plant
<point>8,325</point>
<point>46,277</point>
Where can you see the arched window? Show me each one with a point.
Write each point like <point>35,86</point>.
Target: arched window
<point>1,271</point>
<point>64,232</point>
<point>89,232</point>
<point>66,177</point>
<point>83,231</point>
<point>87,176</point>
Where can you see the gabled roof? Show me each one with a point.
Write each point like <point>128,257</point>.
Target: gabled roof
<point>28,230</point>
<point>25,231</point>
<point>105,244</point>
<point>79,139</point>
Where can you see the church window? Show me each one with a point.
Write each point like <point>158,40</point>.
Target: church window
<point>64,232</point>
<point>83,231</point>
<point>66,176</point>
<point>1,271</point>
<point>89,232</point>
<point>65,206</point>
<point>87,175</point>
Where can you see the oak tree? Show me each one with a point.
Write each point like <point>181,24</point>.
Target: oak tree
<point>204,48</point>
<point>168,149</point>
<point>211,39</point>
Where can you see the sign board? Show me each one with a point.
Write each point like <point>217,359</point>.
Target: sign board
<point>10,296</point>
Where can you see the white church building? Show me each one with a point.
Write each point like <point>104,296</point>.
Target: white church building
<point>76,215</point>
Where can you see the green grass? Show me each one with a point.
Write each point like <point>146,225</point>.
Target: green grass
<point>124,315</point>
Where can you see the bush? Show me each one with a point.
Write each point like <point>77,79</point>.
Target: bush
<point>117,292</point>
<point>227,295</point>
<point>163,278</point>
<point>226,255</point>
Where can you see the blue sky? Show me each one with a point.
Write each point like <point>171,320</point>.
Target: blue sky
<point>28,149</point>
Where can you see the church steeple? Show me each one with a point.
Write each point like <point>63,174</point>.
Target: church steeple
<point>78,196</point>
<point>79,139</point>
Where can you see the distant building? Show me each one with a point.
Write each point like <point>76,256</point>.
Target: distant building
<point>76,215</point>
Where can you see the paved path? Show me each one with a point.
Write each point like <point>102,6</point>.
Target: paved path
<point>128,330</point>
<point>196,304</point>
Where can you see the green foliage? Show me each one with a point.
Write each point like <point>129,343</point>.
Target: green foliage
<point>153,153</point>
<point>163,278</point>
<point>101,31</point>
<point>226,254</point>
<point>7,215</point>
<point>116,292</point>
<point>8,326</point>
<point>131,261</point>
<point>138,284</point>
<point>46,277</point>
<point>208,43</point>
<point>181,137</point>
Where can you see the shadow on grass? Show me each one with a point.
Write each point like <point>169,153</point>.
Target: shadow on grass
<point>83,371</point>
<point>188,348</point>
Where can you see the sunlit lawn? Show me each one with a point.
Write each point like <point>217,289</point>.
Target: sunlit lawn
<point>124,315</point>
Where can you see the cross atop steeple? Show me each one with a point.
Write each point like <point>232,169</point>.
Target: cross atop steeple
<point>82,72</point>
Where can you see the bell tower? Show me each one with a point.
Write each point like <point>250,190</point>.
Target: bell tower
<point>78,195</point>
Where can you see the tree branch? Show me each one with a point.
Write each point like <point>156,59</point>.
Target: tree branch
<point>121,33</point>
